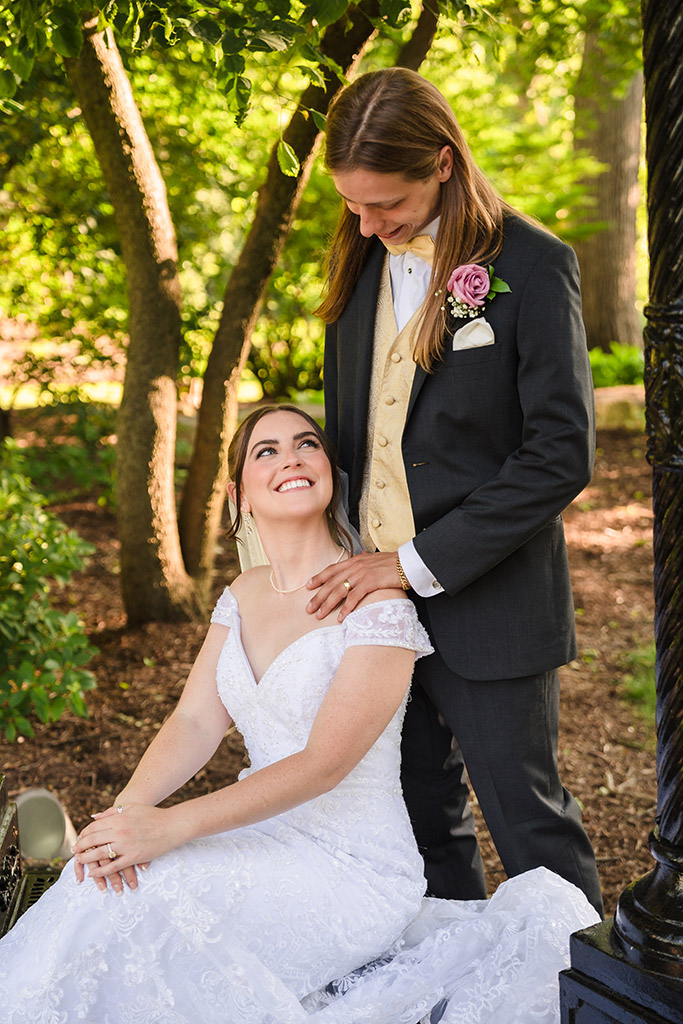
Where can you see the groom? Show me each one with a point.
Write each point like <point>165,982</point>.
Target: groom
<point>458,392</point>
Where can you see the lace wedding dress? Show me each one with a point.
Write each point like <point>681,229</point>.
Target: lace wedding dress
<point>316,916</point>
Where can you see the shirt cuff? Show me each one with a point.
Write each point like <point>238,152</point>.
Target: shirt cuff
<point>418,575</point>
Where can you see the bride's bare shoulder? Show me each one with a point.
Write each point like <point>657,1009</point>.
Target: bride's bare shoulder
<point>251,582</point>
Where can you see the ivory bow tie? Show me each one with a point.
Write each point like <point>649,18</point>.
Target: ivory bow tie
<point>420,245</point>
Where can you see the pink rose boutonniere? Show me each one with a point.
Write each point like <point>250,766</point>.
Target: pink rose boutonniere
<point>470,287</point>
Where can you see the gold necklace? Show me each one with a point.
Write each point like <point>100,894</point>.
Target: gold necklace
<point>301,585</point>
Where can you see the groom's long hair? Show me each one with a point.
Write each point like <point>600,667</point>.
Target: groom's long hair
<point>396,122</point>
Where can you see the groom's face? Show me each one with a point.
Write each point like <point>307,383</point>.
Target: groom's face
<point>389,205</point>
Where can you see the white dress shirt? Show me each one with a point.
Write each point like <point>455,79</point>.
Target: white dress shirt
<point>409,284</point>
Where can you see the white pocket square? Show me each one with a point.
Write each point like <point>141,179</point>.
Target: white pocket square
<point>473,335</point>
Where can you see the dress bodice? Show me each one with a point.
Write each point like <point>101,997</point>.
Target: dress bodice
<point>275,717</point>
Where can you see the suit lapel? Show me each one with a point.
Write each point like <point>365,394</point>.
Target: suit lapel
<point>362,330</point>
<point>418,380</point>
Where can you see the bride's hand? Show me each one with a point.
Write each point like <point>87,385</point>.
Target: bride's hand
<point>116,879</point>
<point>135,836</point>
<point>347,583</point>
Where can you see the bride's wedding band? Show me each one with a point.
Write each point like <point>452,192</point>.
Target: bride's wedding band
<point>110,851</point>
<point>348,585</point>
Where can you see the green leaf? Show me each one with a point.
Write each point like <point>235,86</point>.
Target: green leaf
<point>20,63</point>
<point>24,726</point>
<point>394,11</point>
<point>207,30</point>
<point>233,43</point>
<point>57,708</point>
<point>11,732</point>
<point>237,94</point>
<point>8,84</point>
<point>230,65</point>
<point>41,703</point>
<point>67,40</point>
<point>325,12</point>
<point>496,285</point>
<point>314,74</point>
<point>287,159</point>
<point>319,119</point>
<point>77,705</point>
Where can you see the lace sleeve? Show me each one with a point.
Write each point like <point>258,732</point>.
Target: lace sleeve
<point>224,611</point>
<point>392,623</point>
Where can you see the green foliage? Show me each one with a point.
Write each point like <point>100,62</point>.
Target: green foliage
<point>43,650</point>
<point>623,364</point>
<point>78,454</point>
<point>509,68</point>
<point>230,31</point>
<point>60,265</point>
<point>638,682</point>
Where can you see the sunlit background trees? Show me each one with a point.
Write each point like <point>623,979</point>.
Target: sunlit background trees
<point>164,218</point>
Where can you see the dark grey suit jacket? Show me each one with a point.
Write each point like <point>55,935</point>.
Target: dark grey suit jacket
<point>497,442</point>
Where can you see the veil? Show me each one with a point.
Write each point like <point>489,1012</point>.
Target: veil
<point>250,549</point>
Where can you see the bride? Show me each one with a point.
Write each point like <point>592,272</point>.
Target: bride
<point>295,895</point>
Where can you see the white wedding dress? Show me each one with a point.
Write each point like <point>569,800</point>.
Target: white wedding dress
<point>316,916</point>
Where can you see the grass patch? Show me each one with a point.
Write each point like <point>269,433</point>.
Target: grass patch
<point>638,682</point>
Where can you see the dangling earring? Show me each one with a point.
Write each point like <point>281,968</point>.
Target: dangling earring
<point>246,516</point>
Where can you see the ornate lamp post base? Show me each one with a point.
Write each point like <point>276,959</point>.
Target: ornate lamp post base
<point>603,986</point>
<point>648,923</point>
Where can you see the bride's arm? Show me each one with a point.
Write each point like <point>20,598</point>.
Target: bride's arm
<point>186,741</point>
<point>351,718</point>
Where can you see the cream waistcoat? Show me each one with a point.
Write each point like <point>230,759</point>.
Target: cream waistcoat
<point>386,518</point>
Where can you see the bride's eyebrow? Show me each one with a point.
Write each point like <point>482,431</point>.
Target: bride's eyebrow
<point>296,437</point>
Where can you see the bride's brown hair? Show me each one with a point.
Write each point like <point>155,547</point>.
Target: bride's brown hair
<point>396,122</point>
<point>237,455</point>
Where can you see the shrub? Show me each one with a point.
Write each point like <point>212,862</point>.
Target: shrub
<point>623,364</point>
<point>42,650</point>
<point>81,458</point>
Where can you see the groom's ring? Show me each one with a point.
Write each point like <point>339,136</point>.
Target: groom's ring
<point>110,851</point>
<point>348,585</point>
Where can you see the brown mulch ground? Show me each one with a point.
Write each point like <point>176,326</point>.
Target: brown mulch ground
<point>606,749</point>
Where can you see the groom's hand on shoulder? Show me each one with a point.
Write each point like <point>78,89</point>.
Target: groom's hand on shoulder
<point>345,584</point>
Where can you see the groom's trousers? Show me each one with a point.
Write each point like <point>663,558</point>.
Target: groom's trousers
<point>506,732</point>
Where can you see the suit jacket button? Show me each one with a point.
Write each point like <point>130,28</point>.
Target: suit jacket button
<point>379,483</point>
<point>376,523</point>
<point>389,400</point>
<point>382,442</point>
<point>396,357</point>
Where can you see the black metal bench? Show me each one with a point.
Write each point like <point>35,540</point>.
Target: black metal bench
<point>20,888</point>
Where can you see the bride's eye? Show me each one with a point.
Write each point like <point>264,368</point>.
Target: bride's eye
<point>264,451</point>
<point>311,441</point>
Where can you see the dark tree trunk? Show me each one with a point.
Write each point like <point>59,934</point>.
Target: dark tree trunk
<point>204,492</point>
<point>154,582</point>
<point>159,580</point>
<point>415,49</point>
<point>609,129</point>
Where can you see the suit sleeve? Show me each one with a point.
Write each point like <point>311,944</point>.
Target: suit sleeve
<point>553,459</point>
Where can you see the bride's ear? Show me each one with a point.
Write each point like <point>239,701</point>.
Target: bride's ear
<point>232,492</point>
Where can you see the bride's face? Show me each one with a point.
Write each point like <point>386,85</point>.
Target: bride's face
<point>286,473</point>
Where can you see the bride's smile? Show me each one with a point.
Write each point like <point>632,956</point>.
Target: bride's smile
<point>285,460</point>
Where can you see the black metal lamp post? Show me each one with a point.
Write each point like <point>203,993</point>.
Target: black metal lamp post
<point>631,969</point>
